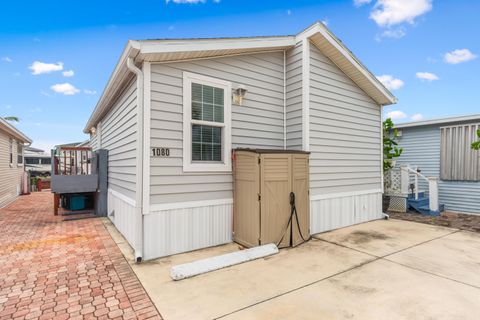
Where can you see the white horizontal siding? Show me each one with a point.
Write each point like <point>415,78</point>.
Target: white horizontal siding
<point>344,133</point>
<point>119,136</point>
<point>10,175</point>
<point>258,123</point>
<point>421,147</point>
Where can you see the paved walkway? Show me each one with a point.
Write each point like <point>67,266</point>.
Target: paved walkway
<point>55,269</point>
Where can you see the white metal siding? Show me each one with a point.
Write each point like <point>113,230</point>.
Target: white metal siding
<point>258,123</point>
<point>342,211</point>
<point>11,176</point>
<point>421,147</point>
<point>179,230</point>
<point>122,214</point>
<point>94,142</point>
<point>119,137</point>
<point>344,132</point>
<point>294,97</point>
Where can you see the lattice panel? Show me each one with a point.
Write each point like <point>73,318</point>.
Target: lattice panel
<point>393,180</point>
<point>398,204</point>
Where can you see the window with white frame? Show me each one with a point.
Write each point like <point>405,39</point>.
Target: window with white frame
<point>19,153</point>
<point>206,123</point>
<point>10,151</point>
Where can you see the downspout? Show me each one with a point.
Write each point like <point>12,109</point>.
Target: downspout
<point>139,173</point>
<point>284,100</point>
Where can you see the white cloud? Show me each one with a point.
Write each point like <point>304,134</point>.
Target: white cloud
<point>325,21</point>
<point>359,3</point>
<point>7,59</point>
<point>417,117</point>
<point>8,107</point>
<point>396,115</point>
<point>86,91</point>
<point>458,56</point>
<point>38,67</point>
<point>68,73</point>
<point>392,33</point>
<point>427,76</point>
<point>390,82</point>
<point>46,94</point>
<point>65,88</point>
<point>392,12</point>
<point>289,12</point>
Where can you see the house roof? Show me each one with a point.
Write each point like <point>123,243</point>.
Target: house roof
<point>169,50</point>
<point>14,132</point>
<point>440,121</point>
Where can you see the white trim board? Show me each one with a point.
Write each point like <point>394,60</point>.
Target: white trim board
<point>122,197</point>
<point>343,194</point>
<point>305,94</point>
<point>146,135</point>
<point>188,204</point>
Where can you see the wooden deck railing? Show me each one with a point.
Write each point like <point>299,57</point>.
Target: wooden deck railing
<point>73,161</point>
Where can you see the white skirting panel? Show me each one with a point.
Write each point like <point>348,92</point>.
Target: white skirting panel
<point>121,210</point>
<point>177,230</point>
<point>342,210</point>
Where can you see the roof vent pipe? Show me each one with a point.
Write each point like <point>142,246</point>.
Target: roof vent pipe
<point>138,239</point>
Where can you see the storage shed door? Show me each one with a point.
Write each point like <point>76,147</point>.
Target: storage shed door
<point>275,187</point>
<point>300,186</point>
<point>247,208</point>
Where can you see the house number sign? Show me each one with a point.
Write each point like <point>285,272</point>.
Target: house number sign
<point>161,152</point>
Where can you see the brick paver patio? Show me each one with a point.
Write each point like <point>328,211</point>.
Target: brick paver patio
<point>55,269</point>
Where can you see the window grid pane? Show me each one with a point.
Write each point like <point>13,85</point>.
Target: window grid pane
<point>207,103</point>
<point>206,143</point>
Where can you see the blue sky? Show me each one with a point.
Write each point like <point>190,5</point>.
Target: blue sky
<point>425,50</point>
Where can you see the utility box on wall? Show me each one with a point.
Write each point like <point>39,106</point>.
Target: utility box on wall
<point>264,180</point>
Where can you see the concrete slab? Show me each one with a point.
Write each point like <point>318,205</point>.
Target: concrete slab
<point>211,295</point>
<point>384,237</point>
<point>378,290</point>
<point>456,256</point>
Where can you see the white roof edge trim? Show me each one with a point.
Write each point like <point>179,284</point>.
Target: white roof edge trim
<point>319,27</point>
<point>131,48</point>
<point>472,117</point>
<point>9,128</point>
<point>147,47</point>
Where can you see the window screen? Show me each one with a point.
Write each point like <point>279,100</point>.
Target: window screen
<point>458,160</point>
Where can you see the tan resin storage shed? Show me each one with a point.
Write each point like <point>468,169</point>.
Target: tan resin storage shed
<point>263,181</point>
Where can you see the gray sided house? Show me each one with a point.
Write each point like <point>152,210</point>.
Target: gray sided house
<point>173,110</point>
<point>442,148</point>
<point>12,145</point>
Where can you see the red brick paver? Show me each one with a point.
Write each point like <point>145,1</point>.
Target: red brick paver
<point>55,269</point>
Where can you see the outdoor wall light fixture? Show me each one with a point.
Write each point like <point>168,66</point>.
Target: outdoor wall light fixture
<point>238,94</point>
<point>93,130</point>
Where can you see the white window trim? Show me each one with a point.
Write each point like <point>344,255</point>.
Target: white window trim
<point>188,165</point>
<point>23,156</point>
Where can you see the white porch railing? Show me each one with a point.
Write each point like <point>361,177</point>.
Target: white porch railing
<point>405,172</point>
<point>398,180</point>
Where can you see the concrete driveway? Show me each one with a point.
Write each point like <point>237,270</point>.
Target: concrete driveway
<point>377,270</point>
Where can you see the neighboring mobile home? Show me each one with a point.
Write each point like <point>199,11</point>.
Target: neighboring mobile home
<point>12,144</point>
<point>173,110</point>
<point>442,148</point>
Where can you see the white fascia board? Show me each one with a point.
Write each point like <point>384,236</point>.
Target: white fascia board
<point>131,50</point>
<point>334,41</point>
<point>167,46</point>
<point>439,121</point>
<point>11,130</point>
